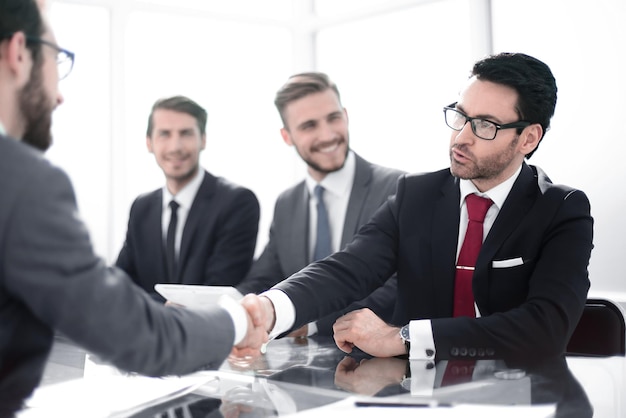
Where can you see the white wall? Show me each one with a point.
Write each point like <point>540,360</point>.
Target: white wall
<point>397,62</point>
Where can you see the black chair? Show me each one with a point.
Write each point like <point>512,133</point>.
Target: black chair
<point>601,330</point>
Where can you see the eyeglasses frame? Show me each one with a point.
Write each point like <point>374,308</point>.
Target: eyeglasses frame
<point>35,39</point>
<point>518,124</point>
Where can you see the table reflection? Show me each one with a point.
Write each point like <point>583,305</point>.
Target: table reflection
<point>298,374</point>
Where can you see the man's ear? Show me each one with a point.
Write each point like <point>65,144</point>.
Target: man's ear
<point>17,56</point>
<point>203,141</point>
<point>149,144</point>
<point>530,138</point>
<point>286,136</point>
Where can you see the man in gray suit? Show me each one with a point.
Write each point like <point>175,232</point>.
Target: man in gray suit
<point>50,278</point>
<point>316,124</point>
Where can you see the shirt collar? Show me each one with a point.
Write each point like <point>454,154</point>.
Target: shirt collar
<point>338,182</point>
<point>497,194</point>
<point>187,194</point>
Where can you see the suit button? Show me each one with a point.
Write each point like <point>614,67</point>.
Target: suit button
<point>491,352</point>
<point>463,351</point>
<point>472,352</point>
<point>454,351</point>
<point>481,352</point>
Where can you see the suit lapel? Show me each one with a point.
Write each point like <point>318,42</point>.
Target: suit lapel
<point>201,205</point>
<point>358,194</point>
<point>516,206</point>
<point>154,230</point>
<point>298,250</point>
<point>445,233</point>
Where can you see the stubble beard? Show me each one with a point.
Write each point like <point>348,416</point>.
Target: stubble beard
<point>313,165</point>
<point>36,108</point>
<point>487,169</point>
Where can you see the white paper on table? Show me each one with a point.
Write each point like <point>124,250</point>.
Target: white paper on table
<point>109,396</point>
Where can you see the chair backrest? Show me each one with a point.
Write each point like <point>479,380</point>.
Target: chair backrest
<point>601,330</point>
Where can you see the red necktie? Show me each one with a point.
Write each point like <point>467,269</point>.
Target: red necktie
<point>477,208</point>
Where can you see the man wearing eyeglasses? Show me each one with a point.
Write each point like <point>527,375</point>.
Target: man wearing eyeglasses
<point>521,292</point>
<point>50,278</point>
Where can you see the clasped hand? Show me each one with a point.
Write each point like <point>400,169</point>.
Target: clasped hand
<point>260,321</point>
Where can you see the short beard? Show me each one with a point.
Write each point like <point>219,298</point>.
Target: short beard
<point>319,169</point>
<point>490,168</point>
<point>36,108</point>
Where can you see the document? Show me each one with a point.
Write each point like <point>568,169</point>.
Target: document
<point>109,396</point>
<point>195,296</point>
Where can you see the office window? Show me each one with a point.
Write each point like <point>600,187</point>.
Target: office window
<point>232,69</point>
<point>396,71</point>
<point>270,9</point>
<point>585,146</point>
<point>81,126</point>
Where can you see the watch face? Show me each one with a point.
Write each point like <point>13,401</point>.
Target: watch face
<point>404,333</point>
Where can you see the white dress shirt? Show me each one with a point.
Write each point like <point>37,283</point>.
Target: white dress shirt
<point>184,198</point>
<point>337,187</point>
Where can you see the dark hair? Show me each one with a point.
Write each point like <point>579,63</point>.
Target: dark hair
<point>531,78</point>
<point>180,104</point>
<point>301,85</point>
<point>22,16</point>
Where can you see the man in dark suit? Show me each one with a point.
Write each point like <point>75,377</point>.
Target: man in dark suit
<point>529,283</point>
<point>316,124</point>
<point>50,278</point>
<point>216,222</point>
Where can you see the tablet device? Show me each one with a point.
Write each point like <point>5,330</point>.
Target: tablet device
<point>195,296</point>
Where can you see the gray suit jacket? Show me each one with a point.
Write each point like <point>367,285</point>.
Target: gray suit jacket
<point>287,250</point>
<point>50,279</point>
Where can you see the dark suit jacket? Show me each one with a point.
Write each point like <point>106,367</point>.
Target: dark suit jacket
<point>217,245</point>
<point>528,310</point>
<point>287,250</point>
<point>50,279</point>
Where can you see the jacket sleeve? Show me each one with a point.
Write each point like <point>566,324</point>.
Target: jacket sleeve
<point>50,267</point>
<point>266,270</point>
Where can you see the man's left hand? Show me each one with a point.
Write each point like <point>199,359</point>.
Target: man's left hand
<point>363,329</point>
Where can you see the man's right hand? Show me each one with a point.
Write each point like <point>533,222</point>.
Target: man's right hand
<point>261,319</point>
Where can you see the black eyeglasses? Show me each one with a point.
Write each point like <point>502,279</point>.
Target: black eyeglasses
<point>482,128</point>
<point>65,58</point>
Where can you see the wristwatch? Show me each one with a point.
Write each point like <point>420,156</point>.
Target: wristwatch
<point>405,335</point>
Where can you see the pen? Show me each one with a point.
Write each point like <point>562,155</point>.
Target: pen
<point>383,404</point>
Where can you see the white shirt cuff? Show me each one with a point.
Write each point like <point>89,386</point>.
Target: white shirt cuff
<point>423,374</point>
<point>312,329</point>
<point>284,311</point>
<point>238,315</point>
<point>422,341</point>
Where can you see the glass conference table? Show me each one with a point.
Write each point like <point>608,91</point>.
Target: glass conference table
<point>311,377</point>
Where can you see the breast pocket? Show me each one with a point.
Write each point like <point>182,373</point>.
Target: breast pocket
<point>509,282</point>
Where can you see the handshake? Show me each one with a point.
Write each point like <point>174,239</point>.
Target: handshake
<point>261,318</point>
